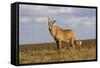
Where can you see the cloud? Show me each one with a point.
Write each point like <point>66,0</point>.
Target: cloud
<point>69,16</point>
<point>59,10</point>
<point>74,21</point>
<point>44,10</point>
<point>41,19</point>
<point>24,19</point>
<point>90,22</point>
<point>33,7</point>
<point>66,10</point>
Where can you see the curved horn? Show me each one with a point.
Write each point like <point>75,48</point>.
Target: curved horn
<point>48,20</point>
<point>53,20</point>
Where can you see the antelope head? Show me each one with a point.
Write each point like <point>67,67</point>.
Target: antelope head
<point>51,23</point>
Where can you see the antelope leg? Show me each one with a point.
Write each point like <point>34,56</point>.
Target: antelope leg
<point>60,44</point>
<point>72,42</point>
<point>57,43</point>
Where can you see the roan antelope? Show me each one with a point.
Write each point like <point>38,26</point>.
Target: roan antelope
<point>60,34</point>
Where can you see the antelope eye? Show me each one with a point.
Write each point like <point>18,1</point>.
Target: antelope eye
<point>54,21</point>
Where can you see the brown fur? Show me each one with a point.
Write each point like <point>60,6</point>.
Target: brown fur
<point>60,34</point>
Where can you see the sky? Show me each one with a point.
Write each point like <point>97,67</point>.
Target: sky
<point>33,22</point>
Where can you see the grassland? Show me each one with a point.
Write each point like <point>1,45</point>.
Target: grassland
<point>47,52</point>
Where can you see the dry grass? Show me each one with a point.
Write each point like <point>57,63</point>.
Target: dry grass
<point>47,52</point>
